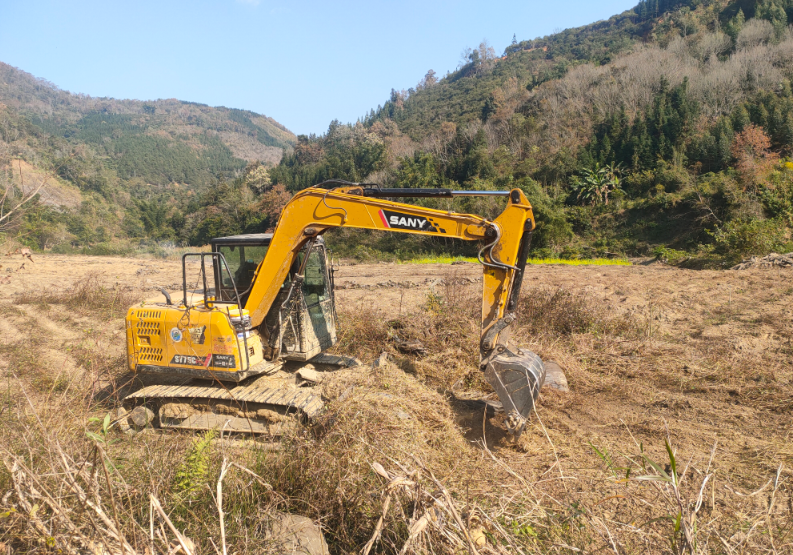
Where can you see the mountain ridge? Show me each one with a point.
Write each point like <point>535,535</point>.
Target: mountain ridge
<point>118,170</point>
<point>250,136</point>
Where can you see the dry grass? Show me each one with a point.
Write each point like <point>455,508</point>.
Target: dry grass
<point>394,465</point>
<point>554,312</point>
<point>447,326</point>
<point>89,294</point>
<point>609,493</point>
<point>374,416</point>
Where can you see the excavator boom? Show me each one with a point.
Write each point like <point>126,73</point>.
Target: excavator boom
<point>516,375</point>
<point>313,211</point>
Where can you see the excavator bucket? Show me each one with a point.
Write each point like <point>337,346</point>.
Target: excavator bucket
<point>517,378</point>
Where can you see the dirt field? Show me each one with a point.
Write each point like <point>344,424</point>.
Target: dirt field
<point>703,358</point>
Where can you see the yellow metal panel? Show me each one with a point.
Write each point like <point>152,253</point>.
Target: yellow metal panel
<point>178,337</point>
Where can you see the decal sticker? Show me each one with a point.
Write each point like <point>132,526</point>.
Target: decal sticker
<point>216,361</point>
<point>219,345</point>
<point>189,360</point>
<point>223,361</point>
<point>197,336</point>
<point>223,344</point>
<point>397,220</point>
<point>176,335</point>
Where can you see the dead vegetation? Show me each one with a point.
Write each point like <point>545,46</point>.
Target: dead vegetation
<point>769,261</point>
<point>549,312</point>
<point>89,294</point>
<point>669,442</point>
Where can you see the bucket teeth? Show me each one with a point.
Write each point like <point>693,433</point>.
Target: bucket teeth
<point>517,378</point>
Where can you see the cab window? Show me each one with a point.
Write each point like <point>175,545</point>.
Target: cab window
<point>242,261</point>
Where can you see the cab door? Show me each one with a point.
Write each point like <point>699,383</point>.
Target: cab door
<point>320,312</point>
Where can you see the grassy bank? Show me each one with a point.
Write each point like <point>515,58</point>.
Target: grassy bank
<point>441,259</point>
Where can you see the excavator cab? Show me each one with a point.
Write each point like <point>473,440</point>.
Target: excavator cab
<point>302,321</point>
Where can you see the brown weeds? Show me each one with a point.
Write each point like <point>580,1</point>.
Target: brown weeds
<point>446,327</point>
<point>555,312</point>
<point>89,294</point>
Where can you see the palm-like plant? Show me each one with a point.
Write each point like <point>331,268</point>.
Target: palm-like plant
<point>596,183</point>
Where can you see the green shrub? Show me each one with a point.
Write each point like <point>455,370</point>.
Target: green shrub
<point>778,198</point>
<point>194,471</point>
<point>669,256</point>
<point>114,248</point>
<point>739,239</point>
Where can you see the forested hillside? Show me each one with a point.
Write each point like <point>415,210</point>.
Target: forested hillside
<point>665,130</point>
<point>118,169</point>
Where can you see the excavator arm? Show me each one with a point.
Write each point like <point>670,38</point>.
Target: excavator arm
<point>516,374</point>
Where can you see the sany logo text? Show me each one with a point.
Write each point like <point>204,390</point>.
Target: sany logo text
<point>407,222</point>
<point>396,220</point>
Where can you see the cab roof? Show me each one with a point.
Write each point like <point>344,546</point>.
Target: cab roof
<point>256,239</point>
<point>259,239</point>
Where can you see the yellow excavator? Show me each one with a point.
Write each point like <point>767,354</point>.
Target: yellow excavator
<point>262,309</point>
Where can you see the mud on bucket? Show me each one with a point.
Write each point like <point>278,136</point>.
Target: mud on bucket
<point>517,378</point>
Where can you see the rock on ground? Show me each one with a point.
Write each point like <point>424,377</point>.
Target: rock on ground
<point>297,535</point>
<point>555,378</point>
<point>140,417</point>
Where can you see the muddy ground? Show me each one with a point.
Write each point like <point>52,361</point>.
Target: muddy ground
<point>710,364</point>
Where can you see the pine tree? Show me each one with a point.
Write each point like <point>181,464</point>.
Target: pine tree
<point>740,118</point>
<point>759,115</point>
<point>734,26</point>
<point>786,133</point>
<point>774,13</point>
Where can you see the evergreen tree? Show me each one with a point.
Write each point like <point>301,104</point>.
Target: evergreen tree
<point>740,118</point>
<point>773,12</point>
<point>734,26</point>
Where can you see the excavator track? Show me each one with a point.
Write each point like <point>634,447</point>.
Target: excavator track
<point>272,403</point>
<point>253,409</point>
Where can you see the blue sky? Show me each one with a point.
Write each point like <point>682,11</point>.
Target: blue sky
<point>303,62</point>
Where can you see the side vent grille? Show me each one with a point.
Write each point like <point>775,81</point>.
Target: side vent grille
<point>150,354</point>
<point>149,314</point>
<point>148,327</point>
